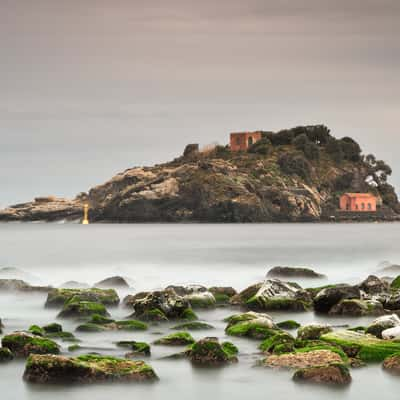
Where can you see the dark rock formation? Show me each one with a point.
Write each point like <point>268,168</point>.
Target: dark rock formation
<point>328,297</point>
<point>293,272</point>
<point>332,374</point>
<point>209,352</point>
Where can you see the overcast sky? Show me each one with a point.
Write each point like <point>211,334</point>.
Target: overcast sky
<point>91,87</point>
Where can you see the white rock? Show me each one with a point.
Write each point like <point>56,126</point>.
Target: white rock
<point>391,333</point>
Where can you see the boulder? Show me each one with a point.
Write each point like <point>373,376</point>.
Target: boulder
<point>163,306</point>
<point>130,299</point>
<point>277,295</point>
<point>209,352</point>
<point>314,358</point>
<point>373,285</point>
<point>201,299</point>
<point>329,296</point>
<point>5,354</point>
<point>242,297</point>
<point>280,342</point>
<point>85,369</point>
<point>363,346</point>
<point>251,324</point>
<point>81,309</point>
<point>313,331</point>
<point>392,364</point>
<point>222,294</point>
<point>332,374</point>
<point>357,308</point>
<point>59,297</point>
<point>136,348</point>
<point>21,344</point>
<point>288,324</point>
<point>391,333</point>
<point>393,301</point>
<point>293,272</point>
<point>116,282</point>
<point>176,339</point>
<point>382,323</point>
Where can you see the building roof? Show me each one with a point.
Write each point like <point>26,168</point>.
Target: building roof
<point>366,195</point>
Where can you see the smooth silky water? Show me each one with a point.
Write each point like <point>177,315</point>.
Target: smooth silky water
<point>154,256</point>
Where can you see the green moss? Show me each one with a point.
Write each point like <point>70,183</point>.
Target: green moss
<point>314,291</point>
<point>358,329</point>
<point>100,319</point>
<point>136,347</point>
<point>5,354</point>
<point>36,330</point>
<point>277,304</point>
<point>395,283</point>
<point>90,327</point>
<point>189,315</point>
<point>281,341</point>
<point>230,349</point>
<point>155,315</point>
<point>52,328</point>
<point>77,308</point>
<point>221,298</point>
<point>65,336</point>
<point>366,347</point>
<point>22,344</point>
<point>131,325</point>
<point>176,339</point>
<point>300,374</point>
<point>250,329</point>
<point>59,297</point>
<point>192,326</point>
<point>74,347</point>
<point>289,324</point>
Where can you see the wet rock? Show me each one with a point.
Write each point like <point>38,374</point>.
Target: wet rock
<point>209,352</point>
<point>363,346</point>
<point>80,309</point>
<point>176,339</point>
<point>130,299</point>
<point>357,308</point>
<point>280,342</point>
<point>5,355</point>
<point>293,272</point>
<point>251,324</point>
<point>162,306</point>
<point>313,331</point>
<point>222,294</point>
<point>277,295</point>
<point>21,344</point>
<point>333,374</point>
<point>99,323</point>
<point>382,323</point>
<point>373,285</point>
<point>391,333</point>
<point>242,297</point>
<point>201,299</point>
<point>328,297</point>
<point>116,282</point>
<point>59,297</point>
<point>288,324</point>
<point>7,285</point>
<point>85,369</point>
<point>392,364</point>
<point>313,358</point>
<point>393,301</point>
<point>136,348</point>
<point>395,284</point>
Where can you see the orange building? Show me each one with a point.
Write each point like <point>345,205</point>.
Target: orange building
<point>241,141</point>
<point>358,202</point>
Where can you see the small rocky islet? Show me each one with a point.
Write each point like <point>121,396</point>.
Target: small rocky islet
<point>315,352</point>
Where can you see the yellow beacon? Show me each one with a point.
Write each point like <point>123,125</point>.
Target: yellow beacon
<point>85,220</point>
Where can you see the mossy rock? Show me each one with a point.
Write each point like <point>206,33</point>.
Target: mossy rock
<point>137,348</point>
<point>201,300</point>
<point>52,328</point>
<point>90,327</point>
<point>289,324</point>
<point>176,339</point>
<point>74,347</point>
<point>364,346</point>
<point>222,295</point>
<point>59,297</point>
<point>78,309</point>
<point>36,330</point>
<point>131,325</point>
<point>332,374</point>
<point>153,315</point>
<point>279,343</point>
<point>313,331</point>
<point>189,315</point>
<point>277,304</point>
<point>242,297</point>
<point>5,354</point>
<point>193,326</point>
<point>22,344</point>
<point>395,285</point>
<point>64,336</point>
<point>85,369</point>
<point>100,319</point>
<point>209,352</point>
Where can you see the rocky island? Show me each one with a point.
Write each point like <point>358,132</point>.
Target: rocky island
<point>294,175</point>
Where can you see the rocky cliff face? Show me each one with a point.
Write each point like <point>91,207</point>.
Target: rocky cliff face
<point>276,183</point>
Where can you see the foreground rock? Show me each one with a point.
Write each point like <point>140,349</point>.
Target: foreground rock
<point>59,297</point>
<point>246,294</point>
<point>209,352</point>
<point>251,324</point>
<point>82,309</point>
<point>21,344</point>
<point>5,355</point>
<point>333,374</point>
<point>176,339</point>
<point>383,323</point>
<point>330,296</point>
<point>277,295</point>
<point>293,272</point>
<point>315,358</point>
<point>363,346</point>
<point>116,282</point>
<point>85,369</point>
<point>392,364</point>
<point>313,331</point>
<point>163,306</point>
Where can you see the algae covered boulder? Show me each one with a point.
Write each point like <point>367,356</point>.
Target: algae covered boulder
<point>222,294</point>
<point>331,374</point>
<point>363,346</point>
<point>209,352</point>
<point>289,324</point>
<point>357,308</point>
<point>246,294</point>
<point>251,324</point>
<point>313,331</point>
<point>21,344</point>
<point>85,369</point>
<point>280,296</point>
<point>382,323</point>
<point>201,299</point>
<point>136,348</point>
<point>280,342</point>
<point>293,272</point>
<point>75,308</point>
<point>5,354</point>
<point>59,297</point>
<point>176,339</point>
<point>329,296</point>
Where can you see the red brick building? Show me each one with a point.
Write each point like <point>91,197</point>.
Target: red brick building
<point>358,202</point>
<point>241,141</point>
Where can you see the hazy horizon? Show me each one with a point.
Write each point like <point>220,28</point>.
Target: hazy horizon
<point>89,89</point>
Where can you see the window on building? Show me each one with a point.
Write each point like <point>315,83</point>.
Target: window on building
<point>369,206</point>
<point>250,141</point>
<point>362,206</point>
<point>356,206</point>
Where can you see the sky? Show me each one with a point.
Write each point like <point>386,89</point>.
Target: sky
<point>89,88</point>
